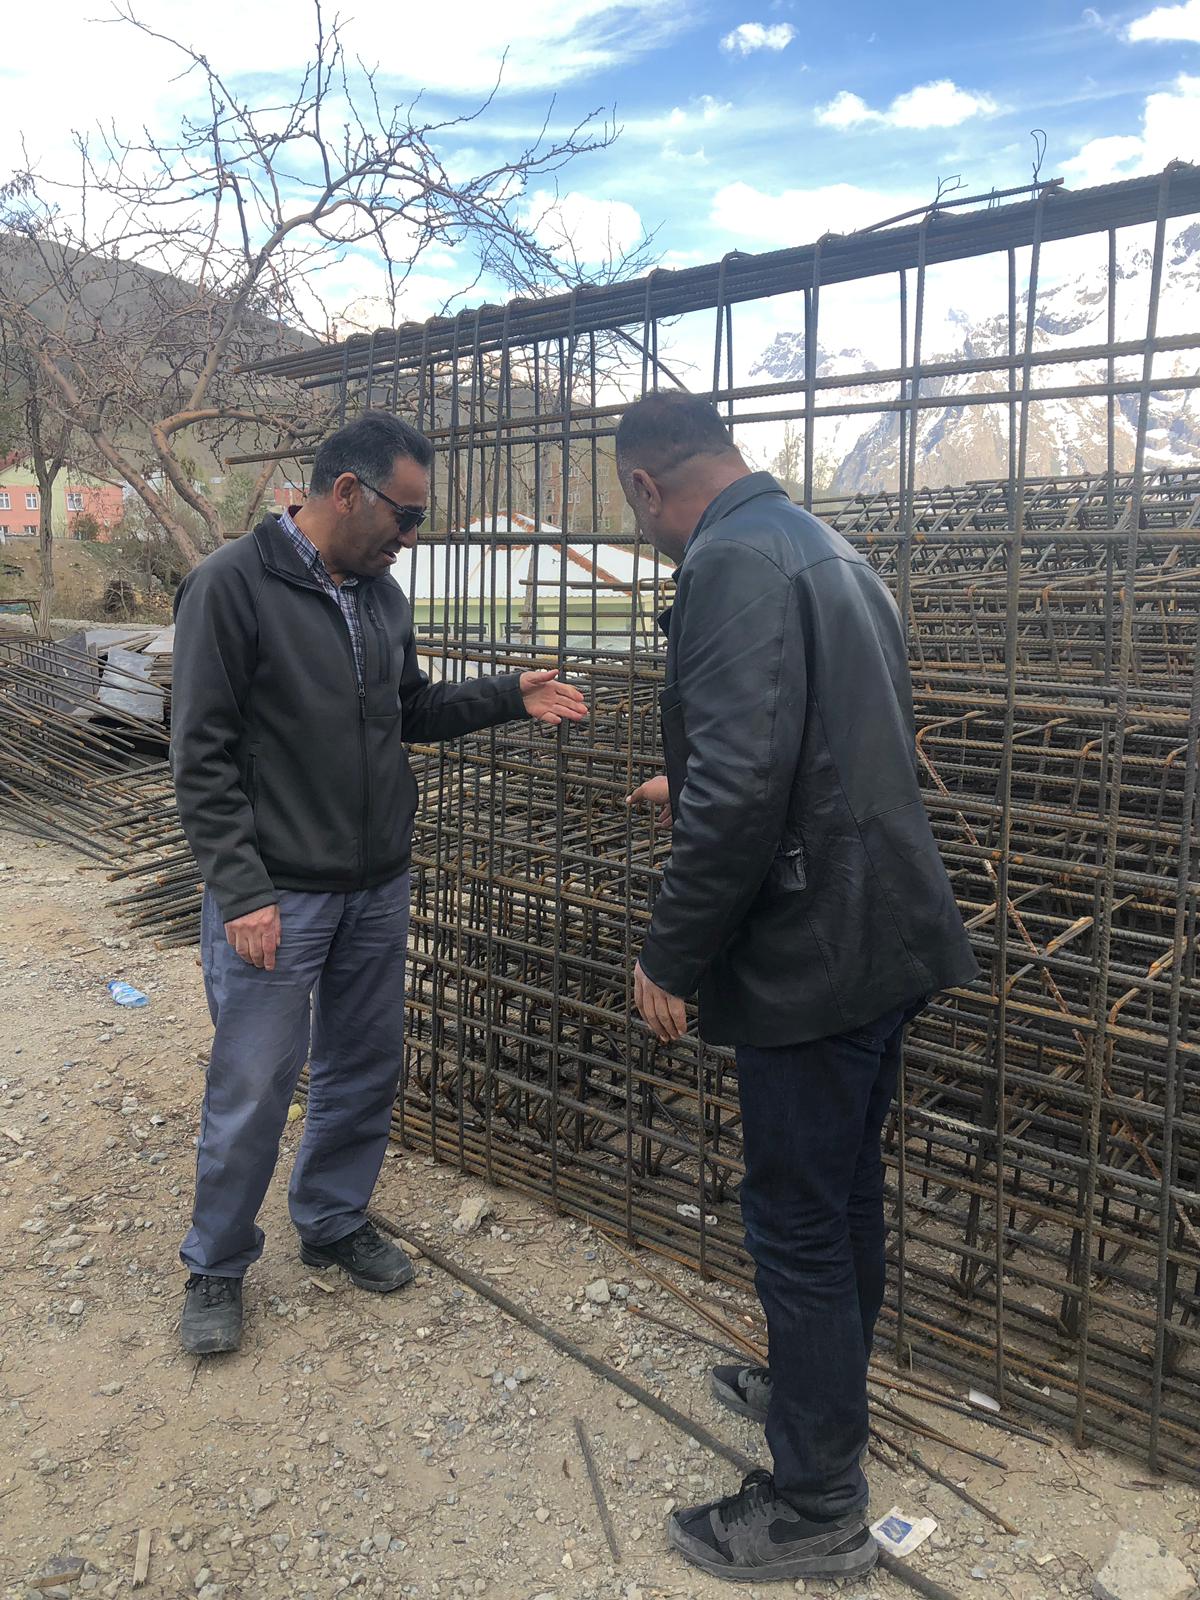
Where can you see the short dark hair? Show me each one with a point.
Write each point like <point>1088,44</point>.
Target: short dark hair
<point>668,427</point>
<point>368,447</point>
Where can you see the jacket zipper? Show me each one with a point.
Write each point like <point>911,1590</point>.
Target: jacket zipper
<point>364,762</point>
<point>366,787</point>
<point>364,848</point>
<point>364,840</point>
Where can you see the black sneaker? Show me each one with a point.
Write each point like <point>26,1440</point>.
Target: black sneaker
<point>212,1315</point>
<point>370,1260</point>
<point>746,1390</point>
<point>755,1535</point>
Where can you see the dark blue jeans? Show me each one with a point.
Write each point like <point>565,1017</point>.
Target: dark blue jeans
<point>812,1203</point>
<point>335,1000</point>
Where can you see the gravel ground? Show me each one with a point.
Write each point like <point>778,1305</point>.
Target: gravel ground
<point>415,1444</point>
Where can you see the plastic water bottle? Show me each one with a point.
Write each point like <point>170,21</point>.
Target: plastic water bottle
<point>125,994</point>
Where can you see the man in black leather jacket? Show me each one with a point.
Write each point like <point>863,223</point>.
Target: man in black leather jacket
<point>806,905</point>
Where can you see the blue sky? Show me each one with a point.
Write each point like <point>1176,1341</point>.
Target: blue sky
<point>747,125</point>
<point>813,117</point>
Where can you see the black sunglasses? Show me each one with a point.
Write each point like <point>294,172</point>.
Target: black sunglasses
<point>408,518</point>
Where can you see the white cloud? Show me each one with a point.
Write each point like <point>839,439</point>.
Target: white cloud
<point>1168,22</point>
<point>542,44</point>
<point>940,104</point>
<point>1091,18</point>
<point>694,158</point>
<point>1170,130</point>
<point>846,110</point>
<point>797,216</point>
<point>1103,160</point>
<point>701,113</point>
<point>577,227</point>
<point>748,37</point>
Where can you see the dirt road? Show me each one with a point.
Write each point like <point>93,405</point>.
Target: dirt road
<point>416,1444</point>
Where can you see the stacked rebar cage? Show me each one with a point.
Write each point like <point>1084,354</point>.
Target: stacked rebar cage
<point>1044,1158</point>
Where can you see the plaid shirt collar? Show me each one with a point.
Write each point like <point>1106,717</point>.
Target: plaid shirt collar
<point>344,595</point>
<point>308,552</point>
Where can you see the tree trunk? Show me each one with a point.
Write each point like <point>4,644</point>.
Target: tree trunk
<point>48,460</point>
<point>256,496</point>
<point>120,462</point>
<point>45,557</point>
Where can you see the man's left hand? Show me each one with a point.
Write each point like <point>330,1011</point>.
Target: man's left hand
<point>549,701</point>
<point>664,1014</point>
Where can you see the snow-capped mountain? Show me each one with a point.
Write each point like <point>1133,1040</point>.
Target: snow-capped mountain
<point>782,446</point>
<point>1067,435</point>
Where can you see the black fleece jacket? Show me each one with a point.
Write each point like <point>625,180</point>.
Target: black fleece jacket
<point>287,774</point>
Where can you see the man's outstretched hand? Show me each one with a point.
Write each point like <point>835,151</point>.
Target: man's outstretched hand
<point>549,701</point>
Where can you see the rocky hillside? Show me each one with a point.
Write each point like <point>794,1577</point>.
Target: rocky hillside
<point>1066,435</point>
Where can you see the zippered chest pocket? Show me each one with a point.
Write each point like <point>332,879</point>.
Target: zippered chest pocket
<point>383,642</point>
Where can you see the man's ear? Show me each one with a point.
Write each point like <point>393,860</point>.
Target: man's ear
<point>346,490</point>
<point>646,491</point>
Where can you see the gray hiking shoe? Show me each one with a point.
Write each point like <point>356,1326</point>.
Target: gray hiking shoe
<point>746,1390</point>
<point>212,1315</point>
<point>368,1259</point>
<point>756,1536</point>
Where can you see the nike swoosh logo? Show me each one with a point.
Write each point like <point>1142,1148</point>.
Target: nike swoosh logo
<point>761,1548</point>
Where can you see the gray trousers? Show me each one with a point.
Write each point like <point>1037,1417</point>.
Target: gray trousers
<point>335,998</point>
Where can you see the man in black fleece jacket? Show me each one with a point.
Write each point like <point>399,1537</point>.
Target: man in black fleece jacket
<point>296,688</point>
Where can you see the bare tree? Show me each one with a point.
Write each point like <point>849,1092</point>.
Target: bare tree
<point>146,286</point>
<point>40,434</point>
<point>788,463</point>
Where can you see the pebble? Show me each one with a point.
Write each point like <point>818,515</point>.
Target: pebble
<point>75,1309</point>
<point>598,1292</point>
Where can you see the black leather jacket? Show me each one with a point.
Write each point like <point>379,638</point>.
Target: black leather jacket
<point>804,895</point>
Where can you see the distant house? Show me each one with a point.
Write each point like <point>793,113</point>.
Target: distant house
<point>77,497</point>
<point>506,579</point>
